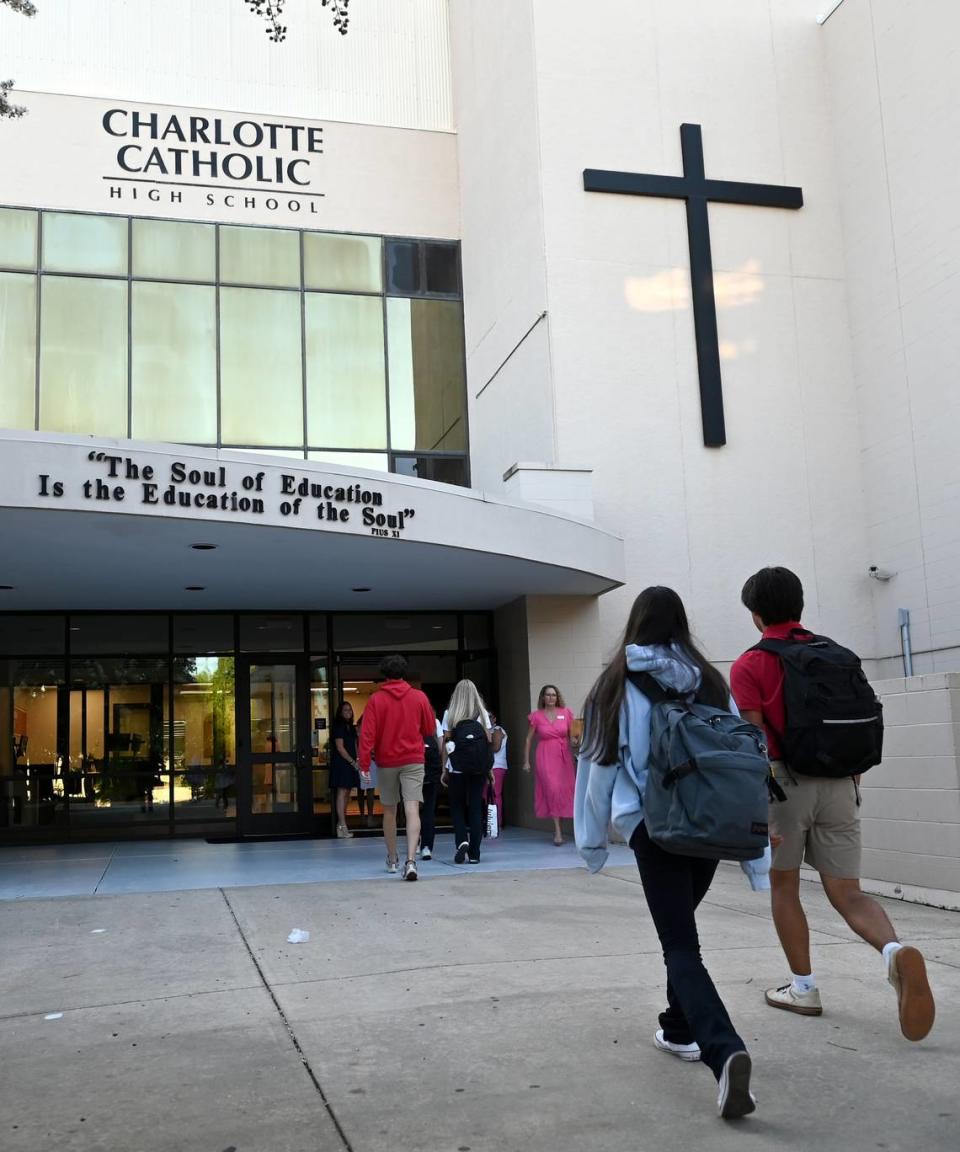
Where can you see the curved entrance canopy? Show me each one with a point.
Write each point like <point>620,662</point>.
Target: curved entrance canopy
<point>104,524</point>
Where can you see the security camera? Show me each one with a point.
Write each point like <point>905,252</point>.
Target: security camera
<point>882,574</point>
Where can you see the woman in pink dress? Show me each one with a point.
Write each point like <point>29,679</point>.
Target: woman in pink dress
<point>552,725</point>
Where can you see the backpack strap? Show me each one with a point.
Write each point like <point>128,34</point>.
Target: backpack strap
<point>651,688</point>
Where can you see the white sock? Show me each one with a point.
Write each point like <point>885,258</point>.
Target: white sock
<point>803,983</point>
<point>888,951</point>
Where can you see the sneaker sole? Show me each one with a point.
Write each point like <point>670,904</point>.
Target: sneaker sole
<point>410,877</point>
<point>917,1010</point>
<point>797,1009</point>
<point>689,1057</point>
<point>735,1099</point>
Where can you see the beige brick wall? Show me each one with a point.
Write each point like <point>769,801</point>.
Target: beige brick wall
<point>911,802</point>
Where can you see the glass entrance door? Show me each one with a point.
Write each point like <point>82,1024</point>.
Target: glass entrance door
<point>274,785</point>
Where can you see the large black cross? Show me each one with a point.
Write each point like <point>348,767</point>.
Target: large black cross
<point>697,191</point>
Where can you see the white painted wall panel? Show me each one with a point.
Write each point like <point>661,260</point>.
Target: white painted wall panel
<point>393,67</point>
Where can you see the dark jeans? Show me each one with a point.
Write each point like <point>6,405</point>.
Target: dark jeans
<point>467,807</point>
<point>428,813</point>
<point>674,886</point>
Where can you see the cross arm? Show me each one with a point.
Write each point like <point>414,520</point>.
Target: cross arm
<point>634,184</point>
<point>759,195</point>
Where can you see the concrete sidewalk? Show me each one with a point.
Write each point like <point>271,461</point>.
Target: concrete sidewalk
<point>506,1010</point>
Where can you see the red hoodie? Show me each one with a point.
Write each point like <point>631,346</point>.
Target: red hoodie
<point>396,721</point>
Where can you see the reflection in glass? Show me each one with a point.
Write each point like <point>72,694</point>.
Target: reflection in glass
<point>427,387</point>
<point>204,738</point>
<point>120,750</point>
<point>203,634</point>
<point>403,266</point>
<point>342,263</point>
<point>320,736</point>
<point>273,708</point>
<point>174,250</point>
<point>174,363</point>
<point>83,356</point>
<point>117,634</point>
<point>77,243</point>
<point>18,238</point>
<point>24,635</point>
<point>346,381</point>
<point>34,781</point>
<point>376,632</point>
<point>260,256</point>
<point>18,350</point>
<point>261,381</point>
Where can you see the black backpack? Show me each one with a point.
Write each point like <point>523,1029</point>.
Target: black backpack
<point>432,764</point>
<point>473,753</point>
<point>834,719</point>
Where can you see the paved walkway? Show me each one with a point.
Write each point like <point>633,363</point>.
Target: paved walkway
<point>183,865</point>
<point>508,1010</point>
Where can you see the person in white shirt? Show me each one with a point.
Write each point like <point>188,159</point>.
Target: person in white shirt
<point>500,764</point>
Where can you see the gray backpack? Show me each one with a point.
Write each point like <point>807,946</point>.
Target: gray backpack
<point>706,792</point>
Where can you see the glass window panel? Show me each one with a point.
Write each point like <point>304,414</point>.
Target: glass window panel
<point>204,739</point>
<point>18,350</point>
<point>285,453</point>
<point>174,250</point>
<point>318,632</point>
<point>32,635</point>
<point>18,238</point>
<point>372,460</point>
<point>202,634</point>
<point>33,779</point>
<point>267,256</point>
<point>442,469</point>
<point>120,741</point>
<point>261,380</point>
<point>476,630</point>
<point>375,632</point>
<point>427,387</point>
<point>83,356</point>
<point>442,268</point>
<point>273,633</point>
<point>74,243</point>
<point>346,377</point>
<point>403,266</point>
<point>118,634</point>
<point>174,363</point>
<point>342,263</point>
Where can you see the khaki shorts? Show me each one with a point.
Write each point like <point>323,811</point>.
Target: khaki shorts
<point>407,779</point>
<point>820,825</point>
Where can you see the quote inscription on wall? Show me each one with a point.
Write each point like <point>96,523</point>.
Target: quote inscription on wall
<point>124,480</point>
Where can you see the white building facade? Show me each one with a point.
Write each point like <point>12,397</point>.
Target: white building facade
<point>273,211</point>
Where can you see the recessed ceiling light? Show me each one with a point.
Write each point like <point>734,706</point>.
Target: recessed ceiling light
<point>10,588</point>
<point>204,547</point>
<point>195,588</point>
<point>360,589</point>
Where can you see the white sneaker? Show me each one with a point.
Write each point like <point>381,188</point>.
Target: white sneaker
<point>907,972</point>
<point>735,1098</point>
<point>426,854</point>
<point>689,1052</point>
<point>393,865</point>
<point>788,998</point>
<point>410,870</point>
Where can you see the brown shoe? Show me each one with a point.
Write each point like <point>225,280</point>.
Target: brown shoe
<point>908,974</point>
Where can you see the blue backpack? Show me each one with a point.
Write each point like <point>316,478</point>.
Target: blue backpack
<point>707,778</point>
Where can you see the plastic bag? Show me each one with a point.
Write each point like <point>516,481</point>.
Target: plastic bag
<point>493,822</point>
<point>298,936</point>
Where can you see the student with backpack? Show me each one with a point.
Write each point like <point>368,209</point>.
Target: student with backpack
<point>824,728</point>
<point>666,760</point>
<point>470,747</point>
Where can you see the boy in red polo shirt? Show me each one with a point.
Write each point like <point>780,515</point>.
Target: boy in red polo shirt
<point>818,823</point>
